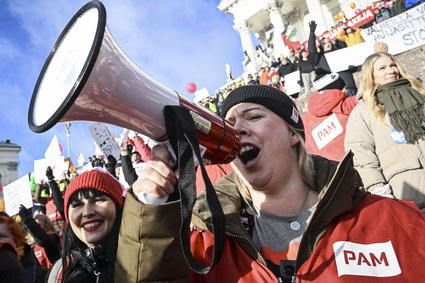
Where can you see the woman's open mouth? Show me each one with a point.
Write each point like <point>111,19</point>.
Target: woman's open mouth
<point>248,152</point>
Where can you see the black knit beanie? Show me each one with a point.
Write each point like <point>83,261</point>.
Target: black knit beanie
<point>270,97</point>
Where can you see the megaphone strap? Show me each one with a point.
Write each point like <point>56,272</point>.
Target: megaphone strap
<point>183,137</point>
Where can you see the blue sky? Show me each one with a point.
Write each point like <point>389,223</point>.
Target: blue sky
<point>175,42</point>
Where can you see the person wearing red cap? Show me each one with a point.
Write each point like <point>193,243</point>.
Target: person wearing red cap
<point>274,80</point>
<point>97,218</point>
<point>93,207</point>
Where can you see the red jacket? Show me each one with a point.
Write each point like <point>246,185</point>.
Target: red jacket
<point>143,149</point>
<point>215,173</point>
<point>51,211</point>
<point>353,249</point>
<point>41,256</point>
<point>352,237</point>
<point>373,243</point>
<point>325,123</point>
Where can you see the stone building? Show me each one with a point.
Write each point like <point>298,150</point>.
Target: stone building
<point>267,19</point>
<point>9,162</point>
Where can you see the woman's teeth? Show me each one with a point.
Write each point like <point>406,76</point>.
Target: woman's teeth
<point>246,148</point>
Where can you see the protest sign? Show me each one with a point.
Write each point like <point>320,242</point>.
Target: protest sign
<point>353,55</point>
<point>80,159</point>
<point>291,83</point>
<point>54,148</point>
<point>58,165</point>
<point>104,140</point>
<point>17,193</point>
<point>402,32</point>
<point>201,94</point>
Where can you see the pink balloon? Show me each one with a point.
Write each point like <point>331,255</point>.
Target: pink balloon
<point>191,87</point>
<point>357,11</point>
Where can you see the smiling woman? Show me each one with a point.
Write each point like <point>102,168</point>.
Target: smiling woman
<point>386,131</point>
<point>97,219</point>
<point>93,207</point>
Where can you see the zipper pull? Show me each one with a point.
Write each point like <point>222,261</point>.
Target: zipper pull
<point>97,273</point>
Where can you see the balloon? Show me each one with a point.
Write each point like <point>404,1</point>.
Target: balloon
<point>336,17</point>
<point>357,11</point>
<point>191,87</point>
<point>341,15</point>
<point>353,5</point>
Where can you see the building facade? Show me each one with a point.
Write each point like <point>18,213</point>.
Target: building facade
<point>267,19</point>
<point>9,162</point>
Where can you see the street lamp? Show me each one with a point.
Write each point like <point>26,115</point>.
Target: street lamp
<point>68,136</point>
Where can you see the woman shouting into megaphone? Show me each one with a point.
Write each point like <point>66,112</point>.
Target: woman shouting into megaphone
<point>289,216</point>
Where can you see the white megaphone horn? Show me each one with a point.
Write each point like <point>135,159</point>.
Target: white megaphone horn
<point>87,77</point>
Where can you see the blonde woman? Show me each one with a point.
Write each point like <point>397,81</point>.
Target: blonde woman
<point>386,131</point>
<point>289,216</point>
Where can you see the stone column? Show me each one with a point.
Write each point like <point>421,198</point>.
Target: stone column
<point>315,11</point>
<point>275,16</point>
<point>247,44</point>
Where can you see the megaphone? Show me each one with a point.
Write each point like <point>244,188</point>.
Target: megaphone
<point>87,77</point>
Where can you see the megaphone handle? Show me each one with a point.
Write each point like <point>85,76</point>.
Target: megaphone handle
<point>183,137</point>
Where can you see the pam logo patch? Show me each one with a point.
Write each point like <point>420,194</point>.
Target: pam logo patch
<point>326,131</point>
<point>377,260</point>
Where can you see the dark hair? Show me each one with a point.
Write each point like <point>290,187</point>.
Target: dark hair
<point>97,162</point>
<point>72,242</point>
<point>352,30</point>
<point>135,152</point>
<point>322,43</point>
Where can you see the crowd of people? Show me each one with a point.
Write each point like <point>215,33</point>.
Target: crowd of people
<point>333,195</point>
<point>309,59</point>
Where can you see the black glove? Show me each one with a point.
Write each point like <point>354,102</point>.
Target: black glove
<point>313,26</point>
<point>352,69</point>
<point>112,160</point>
<point>24,212</point>
<point>321,72</point>
<point>49,173</point>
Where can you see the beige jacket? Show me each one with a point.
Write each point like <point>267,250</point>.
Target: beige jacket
<point>149,238</point>
<point>380,160</point>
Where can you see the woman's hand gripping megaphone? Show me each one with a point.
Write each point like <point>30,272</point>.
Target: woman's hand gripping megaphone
<point>157,180</point>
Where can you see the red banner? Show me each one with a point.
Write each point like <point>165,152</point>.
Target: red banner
<point>362,18</point>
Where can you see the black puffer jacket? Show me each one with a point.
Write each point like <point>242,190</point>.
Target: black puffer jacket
<point>90,265</point>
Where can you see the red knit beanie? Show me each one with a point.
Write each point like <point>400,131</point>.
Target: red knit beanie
<point>94,179</point>
<point>272,74</point>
